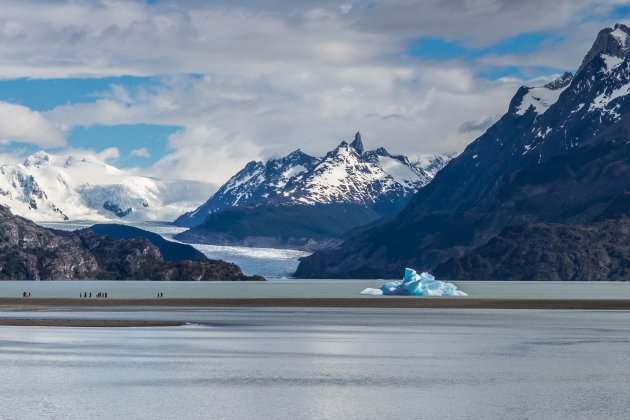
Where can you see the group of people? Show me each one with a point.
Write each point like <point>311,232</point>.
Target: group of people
<point>160,295</point>
<point>99,295</point>
<point>26,294</point>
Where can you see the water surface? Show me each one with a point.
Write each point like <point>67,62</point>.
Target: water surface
<point>322,364</point>
<point>306,289</point>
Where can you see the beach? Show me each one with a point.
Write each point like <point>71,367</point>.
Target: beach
<point>371,302</point>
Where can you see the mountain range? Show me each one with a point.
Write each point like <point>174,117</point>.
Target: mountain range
<point>47,187</point>
<point>551,173</point>
<point>302,201</point>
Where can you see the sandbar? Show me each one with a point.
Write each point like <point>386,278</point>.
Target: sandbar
<point>368,302</point>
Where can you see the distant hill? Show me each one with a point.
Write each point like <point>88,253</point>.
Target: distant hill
<point>293,227</point>
<point>31,252</point>
<point>171,251</point>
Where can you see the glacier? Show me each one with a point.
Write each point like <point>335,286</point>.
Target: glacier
<point>59,187</point>
<point>414,284</point>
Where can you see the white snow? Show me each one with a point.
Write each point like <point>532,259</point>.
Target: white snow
<point>612,62</point>
<point>344,177</point>
<point>341,176</point>
<point>293,171</point>
<point>540,98</point>
<point>620,35</point>
<point>602,100</point>
<point>416,285</point>
<point>48,187</point>
<point>402,174</point>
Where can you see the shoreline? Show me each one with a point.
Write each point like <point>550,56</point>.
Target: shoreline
<point>369,302</point>
<point>82,323</point>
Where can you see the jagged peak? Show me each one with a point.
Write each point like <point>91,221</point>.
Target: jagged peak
<point>613,41</point>
<point>251,165</point>
<point>381,151</point>
<point>38,159</point>
<point>560,82</point>
<point>298,154</point>
<point>357,143</point>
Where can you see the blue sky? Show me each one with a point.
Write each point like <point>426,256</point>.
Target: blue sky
<point>193,89</point>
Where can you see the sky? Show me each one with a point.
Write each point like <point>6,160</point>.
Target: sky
<point>195,89</point>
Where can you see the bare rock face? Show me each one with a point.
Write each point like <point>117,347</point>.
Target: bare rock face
<point>556,252</point>
<point>32,252</point>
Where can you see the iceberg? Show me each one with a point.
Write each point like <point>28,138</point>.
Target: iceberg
<point>414,284</point>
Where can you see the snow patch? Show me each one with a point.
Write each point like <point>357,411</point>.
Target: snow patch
<point>540,99</point>
<point>602,100</point>
<point>611,62</point>
<point>620,35</point>
<point>402,174</point>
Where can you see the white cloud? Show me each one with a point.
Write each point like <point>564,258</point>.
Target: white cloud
<point>407,109</point>
<point>200,154</point>
<point>108,154</point>
<point>20,124</point>
<point>280,74</point>
<point>142,152</point>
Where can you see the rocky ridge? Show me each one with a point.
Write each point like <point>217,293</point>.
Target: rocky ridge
<point>31,252</point>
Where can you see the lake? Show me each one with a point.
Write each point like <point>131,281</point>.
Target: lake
<point>321,364</point>
<point>306,289</point>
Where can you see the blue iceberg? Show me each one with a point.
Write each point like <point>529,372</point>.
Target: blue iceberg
<point>414,284</point>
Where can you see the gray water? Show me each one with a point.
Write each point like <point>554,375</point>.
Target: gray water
<point>321,364</point>
<point>306,289</point>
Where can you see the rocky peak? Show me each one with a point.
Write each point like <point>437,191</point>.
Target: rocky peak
<point>613,42</point>
<point>37,159</point>
<point>561,82</point>
<point>381,151</point>
<point>345,175</point>
<point>357,144</point>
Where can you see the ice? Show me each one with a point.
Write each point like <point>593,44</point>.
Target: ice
<point>414,284</point>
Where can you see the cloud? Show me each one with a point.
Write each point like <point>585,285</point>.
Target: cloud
<point>118,37</point>
<point>477,126</point>
<point>20,124</point>
<point>200,154</point>
<point>108,154</point>
<point>477,22</point>
<point>273,76</point>
<point>407,109</point>
<point>142,152</point>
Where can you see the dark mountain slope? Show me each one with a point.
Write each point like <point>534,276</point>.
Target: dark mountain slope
<point>528,167</point>
<point>294,227</point>
<point>554,252</point>
<point>170,251</point>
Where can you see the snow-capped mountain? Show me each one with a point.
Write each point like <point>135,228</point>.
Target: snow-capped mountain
<point>345,175</point>
<point>48,187</point>
<point>560,154</point>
